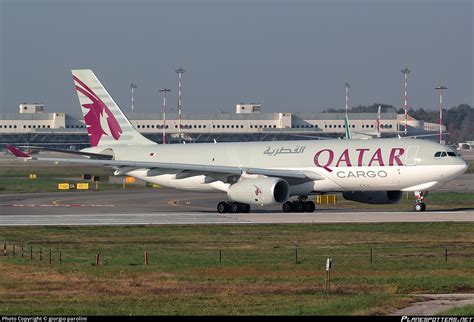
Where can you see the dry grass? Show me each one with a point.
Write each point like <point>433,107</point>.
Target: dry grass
<point>258,274</point>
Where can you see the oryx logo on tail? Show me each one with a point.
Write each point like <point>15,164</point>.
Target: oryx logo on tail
<point>99,119</point>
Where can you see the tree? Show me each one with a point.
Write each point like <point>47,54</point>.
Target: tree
<point>459,120</point>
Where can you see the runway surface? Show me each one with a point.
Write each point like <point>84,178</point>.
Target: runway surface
<point>167,206</point>
<point>193,218</point>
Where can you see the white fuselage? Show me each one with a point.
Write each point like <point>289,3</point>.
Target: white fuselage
<point>340,165</point>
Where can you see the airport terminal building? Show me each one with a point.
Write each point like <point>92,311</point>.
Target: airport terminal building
<point>32,125</point>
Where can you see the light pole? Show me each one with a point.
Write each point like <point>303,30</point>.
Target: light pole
<point>133,86</point>
<point>440,88</point>
<point>347,85</point>
<point>164,91</point>
<point>180,72</point>
<point>405,72</point>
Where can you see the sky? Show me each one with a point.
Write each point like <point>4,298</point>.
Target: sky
<point>289,56</point>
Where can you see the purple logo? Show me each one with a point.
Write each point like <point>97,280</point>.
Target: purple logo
<point>99,119</point>
<point>257,190</point>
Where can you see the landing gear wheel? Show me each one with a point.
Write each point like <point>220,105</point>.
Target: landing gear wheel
<point>244,208</point>
<point>222,207</point>
<point>310,206</point>
<point>287,207</point>
<point>300,206</point>
<point>419,207</point>
<point>419,204</point>
<point>234,207</point>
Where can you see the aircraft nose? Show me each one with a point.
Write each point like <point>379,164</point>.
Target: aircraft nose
<point>465,165</point>
<point>461,166</point>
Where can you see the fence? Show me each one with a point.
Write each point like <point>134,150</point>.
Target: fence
<point>411,255</point>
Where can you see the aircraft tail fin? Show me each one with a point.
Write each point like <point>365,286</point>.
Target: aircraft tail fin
<point>106,124</point>
<point>379,115</point>
<point>348,131</point>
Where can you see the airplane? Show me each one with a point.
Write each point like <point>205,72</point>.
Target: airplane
<point>363,135</point>
<point>262,173</point>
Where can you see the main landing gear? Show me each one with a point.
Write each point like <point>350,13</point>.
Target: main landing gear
<point>232,207</point>
<point>419,204</point>
<point>300,205</point>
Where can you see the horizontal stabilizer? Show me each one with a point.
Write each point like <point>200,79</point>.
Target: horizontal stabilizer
<point>16,152</point>
<point>88,154</point>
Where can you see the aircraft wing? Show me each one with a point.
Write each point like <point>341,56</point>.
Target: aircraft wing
<point>201,168</point>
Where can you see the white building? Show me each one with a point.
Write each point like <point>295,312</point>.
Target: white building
<point>248,118</point>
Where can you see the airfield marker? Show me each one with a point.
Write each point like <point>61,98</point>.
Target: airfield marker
<point>328,275</point>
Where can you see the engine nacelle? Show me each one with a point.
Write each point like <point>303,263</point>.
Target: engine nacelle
<point>373,197</point>
<point>265,191</point>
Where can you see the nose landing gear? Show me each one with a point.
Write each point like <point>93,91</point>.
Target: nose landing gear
<point>419,204</point>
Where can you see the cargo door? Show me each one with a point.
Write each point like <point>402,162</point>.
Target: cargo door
<point>411,155</point>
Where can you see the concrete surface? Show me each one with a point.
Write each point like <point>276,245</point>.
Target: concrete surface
<point>167,206</point>
<point>431,304</point>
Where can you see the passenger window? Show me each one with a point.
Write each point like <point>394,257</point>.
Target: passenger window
<point>437,154</point>
<point>452,154</point>
<point>443,154</point>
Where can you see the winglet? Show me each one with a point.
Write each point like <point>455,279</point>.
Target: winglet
<point>16,152</point>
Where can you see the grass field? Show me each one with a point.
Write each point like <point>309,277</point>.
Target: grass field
<point>15,179</point>
<point>22,185</point>
<point>467,310</point>
<point>220,270</point>
<point>21,169</point>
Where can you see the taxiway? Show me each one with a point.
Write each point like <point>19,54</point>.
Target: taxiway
<point>165,206</point>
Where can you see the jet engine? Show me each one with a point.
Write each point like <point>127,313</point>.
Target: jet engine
<point>373,197</point>
<point>264,191</point>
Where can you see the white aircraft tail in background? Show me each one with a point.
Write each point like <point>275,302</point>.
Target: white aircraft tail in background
<point>347,129</point>
<point>364,135</point>
<point>379,115</point>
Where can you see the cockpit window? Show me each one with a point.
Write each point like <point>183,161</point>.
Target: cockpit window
<point>442,154</point>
